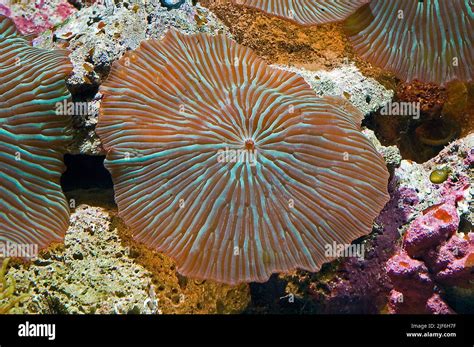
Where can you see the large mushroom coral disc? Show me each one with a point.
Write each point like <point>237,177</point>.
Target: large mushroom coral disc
<point>430,40</point>
<point>176,114</point>
<point>306,12</point>
<point>33,209</point>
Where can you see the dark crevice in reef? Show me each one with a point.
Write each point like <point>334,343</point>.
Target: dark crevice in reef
<point>410,135</point>
<point>85,172</point>
<point>271,297</point>
<point>423,118</point>
<point>76,3</point>
<point>87,91</point>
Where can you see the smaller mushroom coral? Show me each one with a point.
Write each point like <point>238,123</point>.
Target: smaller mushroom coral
<point>427,40</point>
<point>306,12</point>
<point>33,136</point>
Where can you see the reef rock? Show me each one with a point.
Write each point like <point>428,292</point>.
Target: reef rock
<point>391,154</point>
<point>35,17</point>
<point>431,229</point>
<point>437,250</point>
<point>100,34</point>
<point>101,270</point>
<point>91,273</point>
<point>365,93</point>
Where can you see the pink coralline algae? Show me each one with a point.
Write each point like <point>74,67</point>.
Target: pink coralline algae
<point>361,286</point>
<point>453,261</point>
<point>433,255</point>
<point>5,10</point>
<point>414,290</point>
<point>38,16</point>
<point>431,229</point>
<point>420,256</point>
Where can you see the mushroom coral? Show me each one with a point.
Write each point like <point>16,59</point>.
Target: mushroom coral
<point>306,12</point>
<point>33,209</point>
<point>7,27</point>
<point>173,107</point>
<point>429,40</point>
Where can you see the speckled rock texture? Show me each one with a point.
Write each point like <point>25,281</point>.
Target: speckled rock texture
<point>365,93</point>
<point>35,17</point>
<point>418,258</point>
<point>391,154</point>
<point>91,273</point>
<point>181,295</point>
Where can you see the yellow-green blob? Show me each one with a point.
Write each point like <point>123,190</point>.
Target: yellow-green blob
<point>439,176</point>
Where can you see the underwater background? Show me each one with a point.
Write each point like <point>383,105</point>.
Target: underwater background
<point>124,126</point>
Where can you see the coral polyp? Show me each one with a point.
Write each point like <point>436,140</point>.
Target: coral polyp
<point>234,169</point>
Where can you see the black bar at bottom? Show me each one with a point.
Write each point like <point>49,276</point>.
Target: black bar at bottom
<point>452,330</point>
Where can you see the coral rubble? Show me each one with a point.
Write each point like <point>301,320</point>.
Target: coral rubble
<point>91,273</point>
<point>419,257</point>
<point>8,299</point>
<point>99,270</point>
<point>35,17</point>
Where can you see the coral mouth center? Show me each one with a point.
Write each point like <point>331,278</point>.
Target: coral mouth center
<point>249,145</point>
